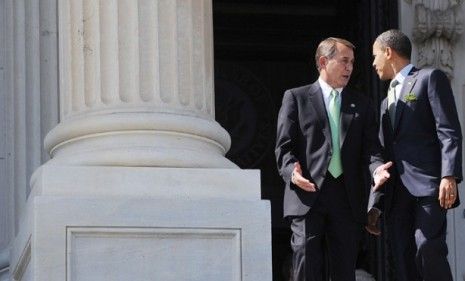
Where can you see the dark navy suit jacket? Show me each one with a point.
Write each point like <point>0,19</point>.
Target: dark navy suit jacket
<point>426,141</point>
<point>304,135</point>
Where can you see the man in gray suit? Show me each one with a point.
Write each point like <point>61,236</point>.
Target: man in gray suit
<point>421,135</point>
<point>326,136</point>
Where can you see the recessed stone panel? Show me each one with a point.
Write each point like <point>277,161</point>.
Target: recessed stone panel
<point>117,254</point>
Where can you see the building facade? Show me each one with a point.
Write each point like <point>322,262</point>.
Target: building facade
<point>107,114</point>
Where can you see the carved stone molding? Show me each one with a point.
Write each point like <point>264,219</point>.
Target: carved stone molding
<point>438,26</point>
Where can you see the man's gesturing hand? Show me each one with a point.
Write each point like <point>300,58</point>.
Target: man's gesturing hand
<point>381,175</point>
<point>300,181</point>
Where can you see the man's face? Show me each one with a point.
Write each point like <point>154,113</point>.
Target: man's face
<point>380,62</point>
<point>337,70</point>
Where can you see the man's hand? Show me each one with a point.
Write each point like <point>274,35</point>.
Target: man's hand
<point>300,181</point>
<point>372,224</point>
<point>447,192</point>
<point>381,175</point>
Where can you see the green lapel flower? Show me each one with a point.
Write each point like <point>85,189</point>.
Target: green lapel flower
<point>410,97</point>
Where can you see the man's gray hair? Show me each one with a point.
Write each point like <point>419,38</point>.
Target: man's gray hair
<point>327,48</point>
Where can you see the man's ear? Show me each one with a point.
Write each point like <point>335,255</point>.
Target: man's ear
<point>389,52</point>
<point>322,61</point>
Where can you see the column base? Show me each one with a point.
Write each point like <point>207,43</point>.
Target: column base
<point>139,139</point>
<point>143,236</point>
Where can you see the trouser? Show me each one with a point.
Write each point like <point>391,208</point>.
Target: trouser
<point>328,228</point>
<point>417,236</point>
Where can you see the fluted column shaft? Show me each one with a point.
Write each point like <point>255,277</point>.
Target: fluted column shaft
<point>136,85</point>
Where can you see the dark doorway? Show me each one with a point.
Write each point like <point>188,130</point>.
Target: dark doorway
<point>262,48</point>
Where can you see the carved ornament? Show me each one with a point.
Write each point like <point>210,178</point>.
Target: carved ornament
<point>437,27</point>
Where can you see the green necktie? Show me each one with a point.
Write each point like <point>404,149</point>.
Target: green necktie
<point>335,165</point>
<point>392,101</point>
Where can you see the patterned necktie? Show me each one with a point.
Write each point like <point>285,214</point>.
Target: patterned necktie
<point>392,101</point>
<point>335,165</point>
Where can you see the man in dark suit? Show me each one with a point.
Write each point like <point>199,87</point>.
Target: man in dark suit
<point>326,136</point>
<point>420,133</point>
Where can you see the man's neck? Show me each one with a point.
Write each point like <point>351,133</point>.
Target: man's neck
<point>397,66</point>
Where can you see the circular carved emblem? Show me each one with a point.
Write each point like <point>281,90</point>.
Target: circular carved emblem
<point>244,107</point>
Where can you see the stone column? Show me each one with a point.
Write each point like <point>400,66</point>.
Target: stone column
<point>136,85</point>
<point>137,187</point>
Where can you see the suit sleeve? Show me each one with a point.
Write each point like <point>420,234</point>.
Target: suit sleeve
<point>447,124</point>
<point>373,148</point>
<point>286,136</point>
<point>375,157</point>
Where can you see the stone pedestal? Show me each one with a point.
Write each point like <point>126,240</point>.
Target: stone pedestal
<point>126,223</point>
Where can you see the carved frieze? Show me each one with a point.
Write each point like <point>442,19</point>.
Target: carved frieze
<point>437,27</point>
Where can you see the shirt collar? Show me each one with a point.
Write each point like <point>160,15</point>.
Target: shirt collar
<point>326,88</point>
<point>403,73</point>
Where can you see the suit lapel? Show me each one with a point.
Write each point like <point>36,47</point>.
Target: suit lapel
<point>407,87</point>
<point>317,102</point>
<point>385,114</point>
<point>348,108</point>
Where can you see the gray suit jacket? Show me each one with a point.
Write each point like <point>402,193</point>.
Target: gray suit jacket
<point>304,135</point>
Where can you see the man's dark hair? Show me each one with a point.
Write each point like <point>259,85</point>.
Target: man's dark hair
<point>397,41</point>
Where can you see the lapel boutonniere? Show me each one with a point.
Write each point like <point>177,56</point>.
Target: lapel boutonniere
<point>410,97</point>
